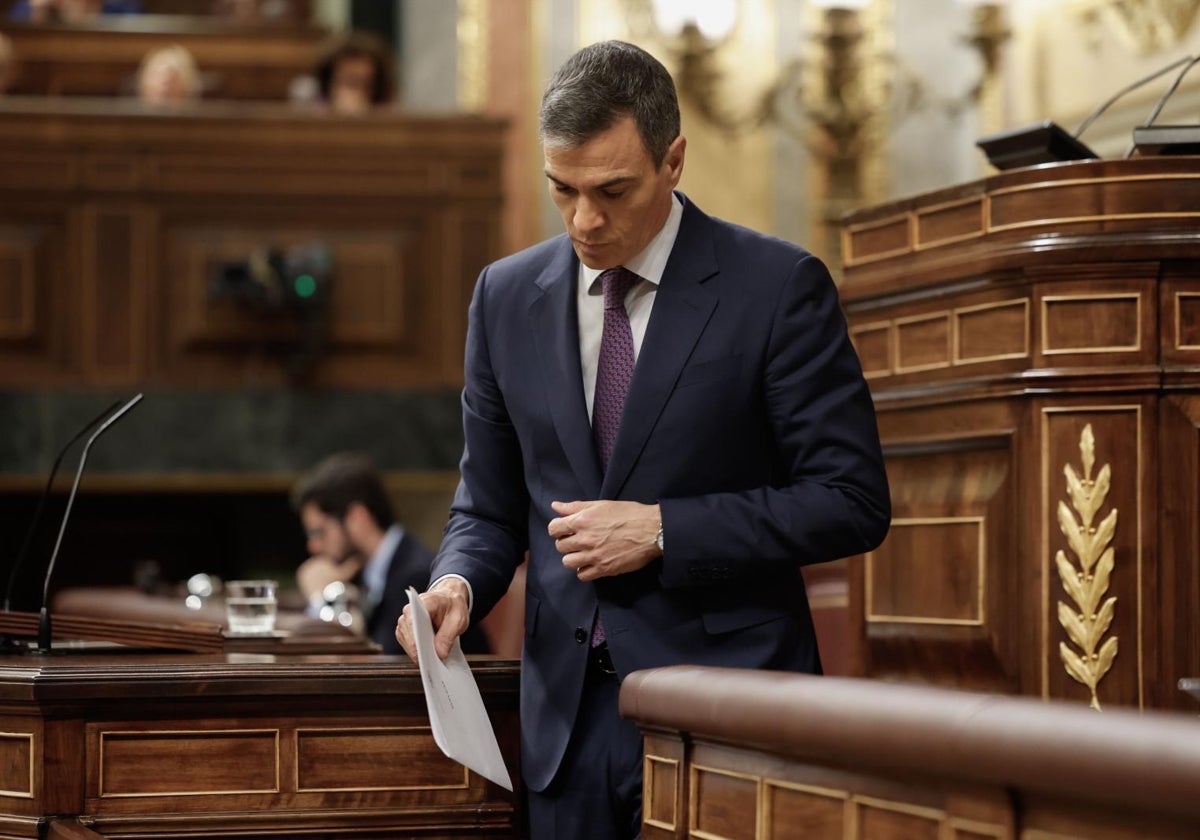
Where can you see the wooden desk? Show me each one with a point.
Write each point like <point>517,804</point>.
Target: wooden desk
<point>165,745</point>
<point>742,754</point>
<point>1032,341</point>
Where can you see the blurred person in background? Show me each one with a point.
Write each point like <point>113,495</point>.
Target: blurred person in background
<point>354,74</point>
<point>354,539</point>
<point>168,75</point>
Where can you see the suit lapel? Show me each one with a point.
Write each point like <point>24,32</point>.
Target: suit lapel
<point>556,335</point>
<point>683,305</point>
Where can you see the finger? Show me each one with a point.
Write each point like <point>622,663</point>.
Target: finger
<point>559,528</point>
<point>568,508</point>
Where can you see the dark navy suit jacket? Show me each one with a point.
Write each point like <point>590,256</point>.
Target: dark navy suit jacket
<point>747,419</point>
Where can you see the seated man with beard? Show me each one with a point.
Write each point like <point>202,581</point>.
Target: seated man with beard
<point>354,538</point>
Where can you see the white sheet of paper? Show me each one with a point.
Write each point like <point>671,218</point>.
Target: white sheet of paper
<point>460,723</point>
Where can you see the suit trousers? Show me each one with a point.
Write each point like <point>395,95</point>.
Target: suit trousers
<point>597,792</point>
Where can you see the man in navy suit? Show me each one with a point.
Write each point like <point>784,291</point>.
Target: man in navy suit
<point>353,537</point>
<point>746,444</point>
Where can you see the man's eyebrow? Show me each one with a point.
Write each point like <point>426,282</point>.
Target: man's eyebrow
<point>611,182</point>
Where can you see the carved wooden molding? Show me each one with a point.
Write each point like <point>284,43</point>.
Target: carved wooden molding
<point>1087,620</point>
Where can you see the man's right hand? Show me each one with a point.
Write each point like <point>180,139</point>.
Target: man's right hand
<point>449,610</point>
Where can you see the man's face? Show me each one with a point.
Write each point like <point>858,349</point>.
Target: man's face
<point>326,534</point>
<point>612,198</point>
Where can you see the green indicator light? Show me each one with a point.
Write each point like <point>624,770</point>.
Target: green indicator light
<point>305,285</point>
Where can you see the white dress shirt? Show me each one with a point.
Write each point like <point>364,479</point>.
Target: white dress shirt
<point>589,300</point>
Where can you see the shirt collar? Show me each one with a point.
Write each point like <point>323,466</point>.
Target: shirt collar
<point>652,261</point>
<point>375,571</point>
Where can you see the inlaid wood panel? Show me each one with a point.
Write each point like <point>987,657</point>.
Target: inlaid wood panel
<point>1091,323</point>
<point>929,571</point>
<point>17,761</point>
<point>991,331</point>
<point>954,221</point>
<point>721,802</point>
<point>374,758</point>
<point>149,763</point>
<point>873,343</point>
<point>879,820</point>
<point>823,812</point>
<point>923,342</point>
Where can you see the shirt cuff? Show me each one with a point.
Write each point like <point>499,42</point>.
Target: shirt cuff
<point>470,592</point>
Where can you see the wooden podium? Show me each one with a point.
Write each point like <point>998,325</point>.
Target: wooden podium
<point>1032,341</point>
<point>157,745</point>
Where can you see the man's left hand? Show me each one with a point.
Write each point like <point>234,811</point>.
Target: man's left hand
<point>605,538</point>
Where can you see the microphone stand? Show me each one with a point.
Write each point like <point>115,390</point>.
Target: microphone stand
<point>44,629</point>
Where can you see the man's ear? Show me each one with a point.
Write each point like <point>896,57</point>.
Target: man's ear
<point>673,160</point>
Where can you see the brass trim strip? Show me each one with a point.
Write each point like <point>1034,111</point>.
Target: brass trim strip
<point>466,782</point>
<point>180,732</point>
<point>1178,322</point>
<point>648,791</point>
<point>30,793</point>
<point>1045,552</point>
<point>1081,220</point>
<point>1000,832</point>
<point>923,811</point>
<point>981,588</point>
<point>1077,182</point>
<point>1116,348</point>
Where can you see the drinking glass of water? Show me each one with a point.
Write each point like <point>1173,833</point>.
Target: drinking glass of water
<point>250,606</point>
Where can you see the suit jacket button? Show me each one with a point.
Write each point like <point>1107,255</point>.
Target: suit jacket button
<point>580,635</point>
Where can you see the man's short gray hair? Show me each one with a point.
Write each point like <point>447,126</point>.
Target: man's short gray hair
<point>602,83</point>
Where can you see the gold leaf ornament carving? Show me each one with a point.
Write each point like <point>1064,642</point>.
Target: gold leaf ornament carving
<point>1085,619</point>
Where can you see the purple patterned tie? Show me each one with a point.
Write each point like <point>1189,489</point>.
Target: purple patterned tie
<point>614,371</point>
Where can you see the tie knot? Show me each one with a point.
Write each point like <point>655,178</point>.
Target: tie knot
<point>617,282</point>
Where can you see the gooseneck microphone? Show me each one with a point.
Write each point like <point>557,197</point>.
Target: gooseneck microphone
<point>1162,100</point>
<point>41,505</point>
<point>44,616</point>
<point>1106,104</point>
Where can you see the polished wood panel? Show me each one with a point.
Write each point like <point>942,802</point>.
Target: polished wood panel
<point>166,745</point>
<point>236,61</point>
<point>112,232</point>
<point>1035,402</point>
<point>774,755</point>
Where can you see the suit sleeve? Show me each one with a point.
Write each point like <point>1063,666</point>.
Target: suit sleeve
<point>830,498</point>
<point>486,536</point>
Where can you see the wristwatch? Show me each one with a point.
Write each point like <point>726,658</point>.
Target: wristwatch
<point>658,540</point>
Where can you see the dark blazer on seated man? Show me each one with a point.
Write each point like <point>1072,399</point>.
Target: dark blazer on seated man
<point>408,566</point>
<point>353,538</point>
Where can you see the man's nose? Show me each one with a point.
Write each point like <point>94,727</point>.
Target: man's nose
<point>587,215</point>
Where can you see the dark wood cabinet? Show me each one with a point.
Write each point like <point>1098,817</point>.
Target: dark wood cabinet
<point>247,745</point>
<point>1032,341</point>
